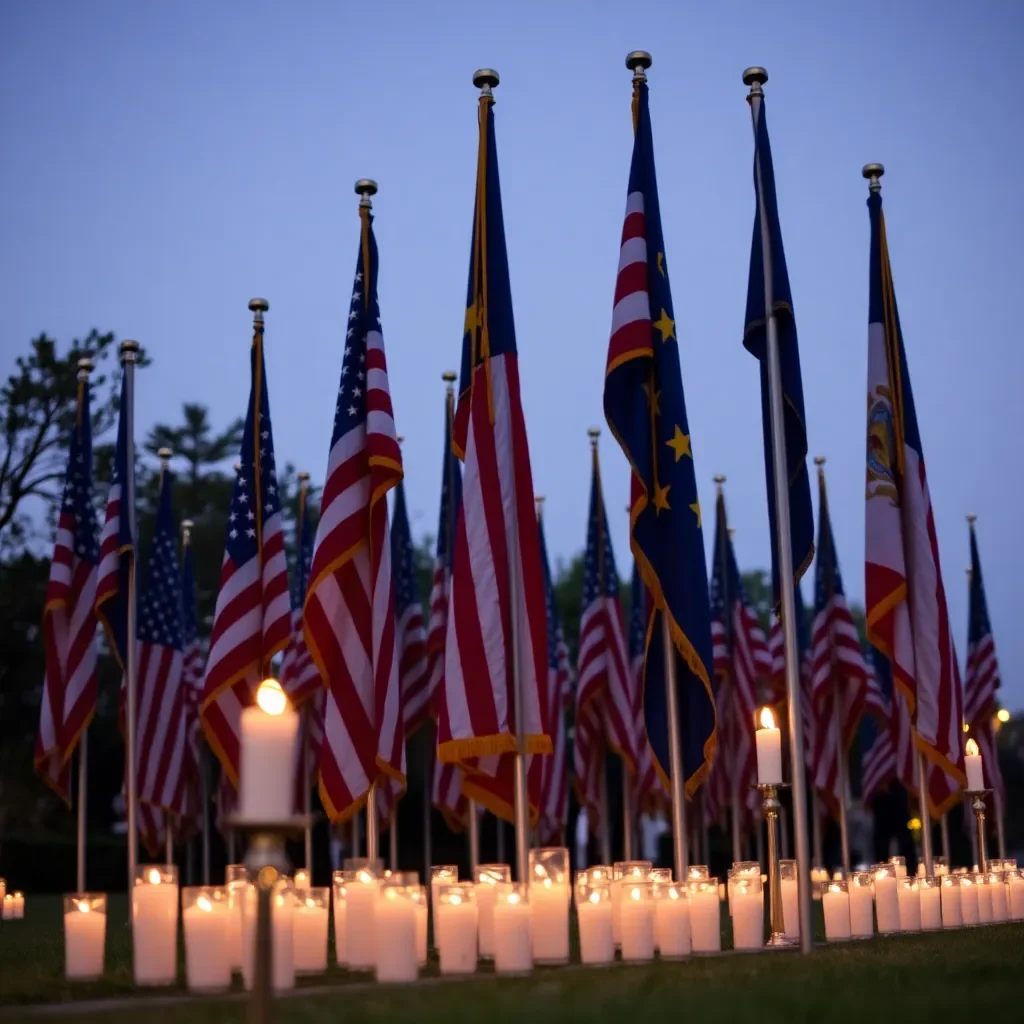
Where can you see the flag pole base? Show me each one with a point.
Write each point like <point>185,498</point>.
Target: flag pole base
<point>770,807</point>
<point>977,798</point>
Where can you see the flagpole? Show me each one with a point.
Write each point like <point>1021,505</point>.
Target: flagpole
<point>204,795</point>
<point>306,795</point>
<point>473,830</point>
<point>428,786</point>
<point>129,354</point>
<point>755,78</point>
<point>606,827</point>
<point>944,832</point>
<point>165,454</point>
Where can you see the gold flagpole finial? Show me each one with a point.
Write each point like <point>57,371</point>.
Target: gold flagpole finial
<point>819,461</point>
<point>258,307</point>
<point>873,173</point>
<point>638,61</point>
<point>165,455</point>
<point>186,531</point>
<point>719,480</point>
<point>593,433</point>
<point>303,479</point>
<point>538,500</point>
<point>85,367</point>
<point>129,351</point>
<point>486,80</point>
<point>449,377</point>
<point>755,77</point>
<point>365,188</point>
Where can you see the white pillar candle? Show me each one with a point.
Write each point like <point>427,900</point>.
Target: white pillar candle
<point>1016,894</point>
<point>19,906</point>
<point>456,922</point>
<point>1000,901</point>
<point>622,872</point>
<point>440,874</point>
<point>968,900</point>
<point>236,879</point>
<point>769,750</point>
<point>909,902</point>
<point>636,921</point>
<point>309,930</point>
<point>790,899</point>
<point>85,933</point>
<point>155,925</point>
<point>862,905</point>
<point>9,907</point>
<point>205,915</point>
<point>363,888</point>
<point>594,922</point>
<point>973,766</point>
<point>513,945</point>
<point>270,729</point>
<point>705,916</point>
<point>395,932</point>
<point>699,872</point>
<point>3,888</point>
<point>984,891</point>
<point>741,869</point>
<point>549,915</point>
<point>835,905</point>
<point>300,879</point>
<point>418,896</point>
<point>747,913</point>
<point>950,901</point>
<point>931,903</point>
<point>339,904</point>
<point>887,907</point>
<point>488,878</point>
<point>672,921</point>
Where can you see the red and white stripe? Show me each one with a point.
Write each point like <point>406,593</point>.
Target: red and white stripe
<point>447,796</point>
<point>311,736</point>
<point>161,739</point>
<point>300,678</point>
<point>981,682</point>
<point>413,667</point>
<point>555,792</point>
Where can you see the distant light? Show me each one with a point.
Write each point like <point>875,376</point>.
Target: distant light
<point>967,728</point>
<point>914,825</point>
<point>1003,715</point>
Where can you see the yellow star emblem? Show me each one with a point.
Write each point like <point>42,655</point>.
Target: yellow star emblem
<point>472,321</point>
<point>657,396</point>
<point>661,498</point>
<point>661,263</point>
<point>695,507</point>
<point>666,325</point>
<point>680,444</point>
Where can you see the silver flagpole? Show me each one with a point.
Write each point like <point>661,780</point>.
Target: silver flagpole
<point>165,455</point>
<point>605,834</point>
<point>393,839</point>
<point>944,832</point>
<point>817,840</point>
<point>129,354</point>
<point>627,813</point>
<point>428,785</point>
<point>755,79</point>
<point>473,830</point>
<point>84,369</point>
<point>306,766</point>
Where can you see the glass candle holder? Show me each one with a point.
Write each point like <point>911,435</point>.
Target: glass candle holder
<point>3,888</point>
<point>1015,893</point>
<point>19,905</point>
<point>339,906</point>
<point>455,921</point>
<point>940,866</point>
<point>741,869</point>
<point>8,904</point>
<point>418,897</point>
<point>205,916</point>
<point>309,929</point>
<point>909,902</point>
<point>513,947</point>
<point>396,959</point>
<point>697,873</point>
<point>747,911</point>
<point>887,906</point>
<point>968,900</point>
<point>488,878</point>
<point>705,915</point>
<point>550,897</point>
<point>300,879</point>
<point>899,866</point>
<point>236,878</point>
<point>1000,896</point>
<point>155,924</point>
<point>790,898</point>
<point>835,904</point>
<point>949,900</point>
<point>636,920</point>
<point>597,873</point>
<point>672,921</point>
<point>661,876</point>
<point>930,894</point>
<point>862,904</point>
<point>85,935</point>
<point>625,871</point>
<point>362,882</point>
<point>984,891</point>
<point>440,874</point>
<point>594,921</point>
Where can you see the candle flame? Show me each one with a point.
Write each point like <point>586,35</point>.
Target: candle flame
<point>310,902</point>
<point>271,698</point>
<point>767,718</point>
<point>547,883</point>
<point>513,898</point>
<point>634,894</point>
<point>83,906</point>
<point>594,897</point>
<point>673,893</point>
<point>204,904</point>
<point>455,899</point>
<point>154,877</point>
<point>972,748</point>
<point>834,888</point>
<point>365,877</point>
<point>389,894</point>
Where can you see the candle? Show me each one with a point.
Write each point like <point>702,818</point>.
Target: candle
<point>705,916</point>
<point>929,890</point>
<point>340,903</point>
<point>456,923</point>
<point>85,932</point>
<point>281,935</point>
<point>488,878</point>
<point>672,921</point>
<point>9,907</point>
<point>818,875</point>
<point>301,879</point>
<point>19,905</point>
<point>440,874</point>
<point>742,869</point>
<point>968,900</point>
<point>698,872</point>
<point>1000,897</point>
<point>236,878</point>
<point>769,750</point>
<point>661,876</point>
<point>900,866</point>
<point>747,912</point>
<point>940,866</point>
<point>790,899</point>
<point>270,729</point>
<point>909,903</point>
<point>862,905</point>
<point>395,932</point>
<point>513,946</point>
<point>949,890</point>
<point>975,771</point>
<point>835,904</point>
<point>205,915</point>
<point>155,924</point>
<point>3,888</point>
<point>636,921</point>
<point>984,891</point>
<point>1015,894</point>
<point>362,883</point>
<point>594,921</point>
<point>418,897</point>
<point>549,905</point>
<point>625,871</point>
<point>309,929</point>
<point>887,908</point>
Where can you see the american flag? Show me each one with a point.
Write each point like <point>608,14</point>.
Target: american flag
<point>252,617</point>
<point>907,617</point>
<point>981,679</point>
<point>837,664</point>
<point>496,554</point>
<point>413,680</point>
<point>607,700</point>
<point>777,686</point>
<point>299,676</point>
<point>555,790</point>
<point>350,607</point>
<point>878,751</point>
<point>69,620</point>
<point>191,679</point>
<point>161,708</point>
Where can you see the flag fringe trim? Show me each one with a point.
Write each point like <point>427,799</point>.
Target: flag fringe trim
<point>456,751</point>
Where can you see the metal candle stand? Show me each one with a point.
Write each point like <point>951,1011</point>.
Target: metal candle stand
<point>977,797</point>
<point>266,860</point>
<point>770,807</point>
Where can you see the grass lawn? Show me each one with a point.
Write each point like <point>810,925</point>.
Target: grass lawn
<point>956,975</point>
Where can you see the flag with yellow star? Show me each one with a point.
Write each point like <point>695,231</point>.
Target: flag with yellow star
<point>646,411</point>
<point>755,340</point>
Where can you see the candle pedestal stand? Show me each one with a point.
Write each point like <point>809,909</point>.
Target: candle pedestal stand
<point>977,798</point>
<point>770,807</point>
<point>266,860</point>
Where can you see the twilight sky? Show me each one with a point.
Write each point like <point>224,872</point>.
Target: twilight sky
<point>162,163</point>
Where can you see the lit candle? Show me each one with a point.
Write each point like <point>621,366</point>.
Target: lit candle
<point>488,878</point>
<point>456,921</point>
<point>672,921</point>
<point>636,921</point>
<point>899,865</point>
<point>705,915</point>
<point>1015,894</point>
<point>887,907</point>
<point>205,916</point>
<point>594,921</point>
<point>984,891</point>
<point>940,867</point>
<point>3,888</point>
<point>550,897</point>
<point>769,750</point>
<point>340,903</point>
<point>623,872</point>
<point>309,930</point>
<point>790,899</point>
<point>742,869</point>
<point>362,883</point>
<point>301,879</point>
<point>85,932</point>
<point>9,907</point>
<point>747,912</point>
<point>19,906</point>
<point>929,889</point>
<point>513,946</point>
<point>835,905</point>
<point>818,875</point>
<point>1000,896</point>
<point>236,879</point>
<point>909,903</point>
<point>396,934</point>
<point>975,771</point>
<point>270,729</point>
<point>418,898</point>
<point>950,901</point>
<point>697,873</point>
<point>155,924</point>
<point>862,905</point>
<point>440,874</point>
<point>968,900</point>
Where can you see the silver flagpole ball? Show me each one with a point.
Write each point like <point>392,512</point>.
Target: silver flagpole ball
<point>872,170</point>
<point>366,187</point>
<point>755,76</point>
<point>486,79</point>
<point>259,305</point>
<point>638,61</point>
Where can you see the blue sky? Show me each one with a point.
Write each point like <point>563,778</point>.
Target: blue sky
<point>164,163</point>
